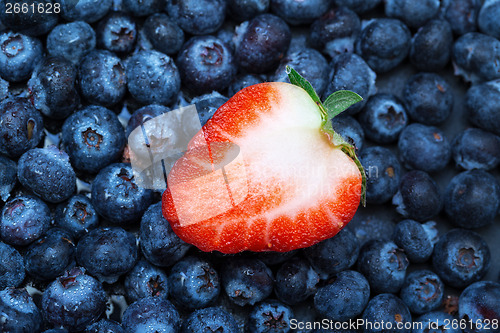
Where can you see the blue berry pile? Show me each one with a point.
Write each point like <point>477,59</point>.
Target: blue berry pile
<point>85,248</point>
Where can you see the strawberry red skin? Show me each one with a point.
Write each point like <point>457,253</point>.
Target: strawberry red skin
<point>231,231</point>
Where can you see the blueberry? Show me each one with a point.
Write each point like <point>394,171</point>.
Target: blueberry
<point>84,10</point>
<point>105,326</point>
<point>153,147</point>
<point>93,138</point>
<point>461,257</point>
<point>335,32</point>
<point>350,72</point>
<point>242,81</point>
<point>226,35</point>
<point>334,254</point>
<point>143,7</point>
<point>24,219</point>
<point>488,18</point>
<point>242,10</point>
<point>389,309</point>
<point>19,55</point>
<point>47,173</point>
<point>436,322</point>
<point>142,115</point>
<point>51,255</point>
<point>117,32</point>
<point>307,62</point>
<point>297,12</point>
<point>152,77</point>
<point>163,33</point>
<point>414,14</point>
<point>359,6</point>
<point>422,291</point>
<point>211,319</point>
<point>159,244</point>
<point>261,43</point>
<point>207,104</point>
<point>239,314</point>
<point>430,49</point>
<point>30,22</point>
<point>384,43</point>
<point>77,215</point>
<point>150,315</point>
<point>22,126</point>
<point>71,41</point>
<point>472,199</point>
<point>53,89</point>
<point>8,177</point>
<point>350,130</point>
<point>205,64</point>
<point>383,172</point>
<point>295,281</point>
<point>476,57</point>
<point>11,267</point>
<point>145,280</point>
<point>416,239</point>
<point>480,303</point>
<point>383,118</point>
<point>461,14</point>
<point>344,297</point>
<point>474,148</point>
<point>4,89</point>
<point>368,226</point>
<point>272,258</point>
<point>107,253</point>
<point>298,42</point>
<point>73,300</point>
<point>269,317</point>
<point>481,103</point>
<point>384,265</point>
<point>102,78</point>
<point>424,148</point>
<point>418,198</point>
<point>198,17</point>
<point>246,281</point>
<point>19,312</point>
<point>428,98</point>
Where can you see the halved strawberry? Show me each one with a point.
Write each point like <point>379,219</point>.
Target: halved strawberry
<point>267,172</point>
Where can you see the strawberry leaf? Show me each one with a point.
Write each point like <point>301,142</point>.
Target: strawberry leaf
<point>298,80</point>
<point>350,151</point>
<point>339,101</point>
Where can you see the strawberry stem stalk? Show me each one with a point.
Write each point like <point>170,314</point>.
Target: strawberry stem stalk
<point>334,105</point>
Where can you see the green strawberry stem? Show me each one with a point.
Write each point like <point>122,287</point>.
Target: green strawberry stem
<point>334,105</point>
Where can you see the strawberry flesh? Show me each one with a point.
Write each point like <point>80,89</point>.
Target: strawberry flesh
<point>261,175</point>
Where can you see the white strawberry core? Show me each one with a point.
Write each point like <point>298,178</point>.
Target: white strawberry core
<point>289,148</point>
